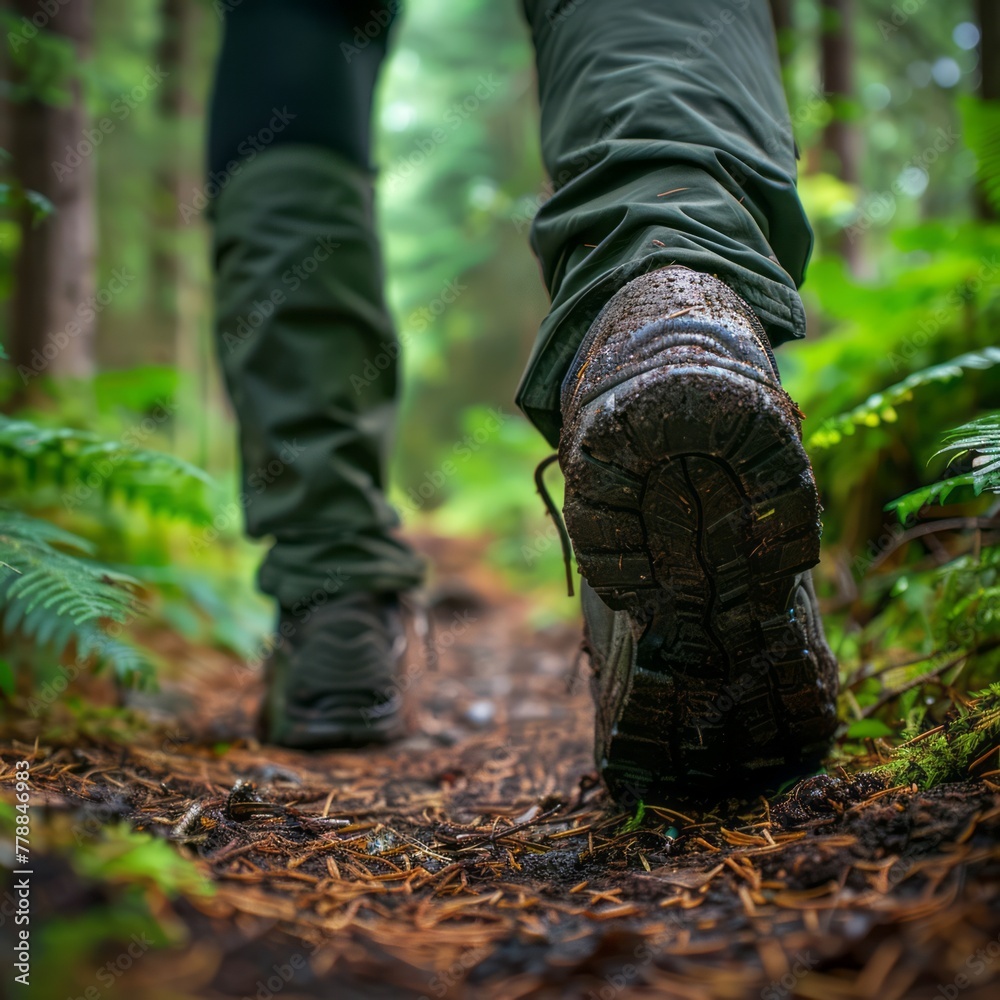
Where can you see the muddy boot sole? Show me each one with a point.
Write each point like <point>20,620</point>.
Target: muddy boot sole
<point>693,509</point>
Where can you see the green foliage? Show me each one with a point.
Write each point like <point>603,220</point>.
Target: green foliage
<point>868,729</point>
<point>132,857</point>
<point>981,130</point>
<point>979,438</point>
<point>47,63</point>
<point>81,467</point>
<point>103,894</point>
<point>947,752</point>
<point>56,597</point>
<point>13,197</point>
<point>634,822</point>
<point>881,407</point>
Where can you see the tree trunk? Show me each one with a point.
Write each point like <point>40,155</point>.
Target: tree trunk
<point>53,307</point>
<point>178,259</point>
<point>841,142</point>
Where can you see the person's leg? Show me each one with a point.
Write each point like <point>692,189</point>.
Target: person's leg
<point>666,135</point>
<point>308,348</point>
<point>689,498</point>
<point>306,343</point>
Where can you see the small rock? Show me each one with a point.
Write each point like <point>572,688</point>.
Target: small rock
<point>481,712</point>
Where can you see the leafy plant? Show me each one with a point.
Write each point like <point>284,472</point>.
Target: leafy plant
<point>981,129</point>
<point>52,591</point>
<point>980,438</point>
<point>880,407</point>
<point>52,594</point>
<point>133,857</point>
<point>79,466</point>
<point>14,196</point>
<point>949,752</point>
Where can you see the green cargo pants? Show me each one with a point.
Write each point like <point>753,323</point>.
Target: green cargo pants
<point>666,135</point>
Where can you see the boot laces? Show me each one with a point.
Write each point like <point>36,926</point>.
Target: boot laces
<point>567,550</point>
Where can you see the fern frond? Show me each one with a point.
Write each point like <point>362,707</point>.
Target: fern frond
<point>80,466</point>
<point>981,132</point>
<point>979,438</point>
<point>880,407</point>
<point>54,597</point>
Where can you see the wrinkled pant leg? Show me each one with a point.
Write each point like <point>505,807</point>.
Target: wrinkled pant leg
<point>666,135</point>
<point>305,340</point>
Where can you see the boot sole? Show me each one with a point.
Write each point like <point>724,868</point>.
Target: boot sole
<point>692,507</point>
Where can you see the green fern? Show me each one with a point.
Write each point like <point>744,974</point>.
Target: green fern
<point>979,438</point>
<point>981,131</point>
<point>79,466</point>
<point>880,407</point>
<point>54,597</point>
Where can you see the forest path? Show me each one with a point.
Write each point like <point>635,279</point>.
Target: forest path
<point>480,858</point>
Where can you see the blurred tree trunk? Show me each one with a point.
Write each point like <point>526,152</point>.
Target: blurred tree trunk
<point>988,16</point>
<point>53,310</point>
<point>841,142</point>
<point>174,261</point>
<point>175,103</point>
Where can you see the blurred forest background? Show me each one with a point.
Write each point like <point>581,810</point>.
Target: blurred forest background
<point>117,458</point>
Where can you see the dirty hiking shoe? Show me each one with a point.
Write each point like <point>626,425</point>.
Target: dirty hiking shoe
<point>332,680</point>
<point>694,516</point>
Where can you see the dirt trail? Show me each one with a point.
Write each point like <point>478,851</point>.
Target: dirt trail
<point>481,859</point>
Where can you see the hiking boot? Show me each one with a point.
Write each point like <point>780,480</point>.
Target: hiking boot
<point>332,680</point>
<point>694,516</point>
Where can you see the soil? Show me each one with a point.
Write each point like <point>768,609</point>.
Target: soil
<point>481,858</point>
